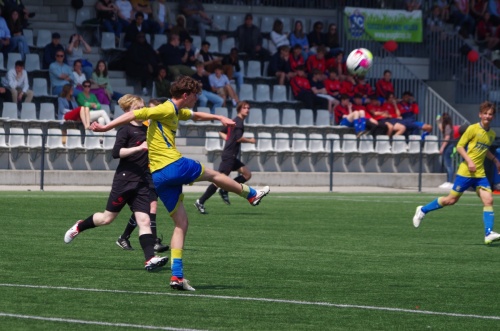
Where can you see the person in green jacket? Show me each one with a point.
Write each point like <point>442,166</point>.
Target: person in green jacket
<point>87,99</point>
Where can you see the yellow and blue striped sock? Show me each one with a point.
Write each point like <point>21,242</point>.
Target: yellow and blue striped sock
<point>488,219</point>
<point>176,262</point>
<point>433,205</point>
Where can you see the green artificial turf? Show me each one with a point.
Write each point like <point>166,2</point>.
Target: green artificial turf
<point>324,261</point>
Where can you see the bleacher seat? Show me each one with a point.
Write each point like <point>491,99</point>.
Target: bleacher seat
<point>384,154</point>
<point>214,43</point>
<point>34,142</point>
<point>399,144</point>
<point>12,58</point>
<point>17,137</point>
<point>95,154</point>
<point>10,111</point>
<point>254,118</point>
<point>287,24</point>
<point>272,117</point>
<point>253,69</point>
<point>246,92</point>
<point>302,155</point>
<point>223,111</point>
<point>159,40</point>
<point>289,117</point>
<point>220,20</point>
<point>382,144</point>
<point>47,112</point>
<point>322,118</point>
<point>234,21</point>
<point>41,88</point>
<point>226,45</point>
<point>414,142</point>
<point>108,41</point>
<point>267,155</point>
<point>28,35</point>
<point>279,93</point>
<point>76,155</point>
<point>57,153</point>
<point>262,93</point>
<point>196,41</point>
<point>431,145</point>
<point>19,151</point>
<point>352,157</point>
<point>306,118</point>
<point>213,146</point>
<point>266,24</point>
<point>2,65</point>
<point>28,111</point>
<point>32,62</point>
<point>402,162</point>
<point>43,38</point>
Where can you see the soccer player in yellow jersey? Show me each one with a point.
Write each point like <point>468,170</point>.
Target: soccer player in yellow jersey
<point>473,146</point>
<point>170,170</point>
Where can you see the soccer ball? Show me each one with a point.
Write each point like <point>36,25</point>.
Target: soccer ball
<point>359,61</point>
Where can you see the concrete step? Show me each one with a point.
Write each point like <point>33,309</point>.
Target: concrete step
<point>61,27</point>
<point>37,8</point>
<point>117,74</point>
<point>118,82</point>
<point>43,17</point>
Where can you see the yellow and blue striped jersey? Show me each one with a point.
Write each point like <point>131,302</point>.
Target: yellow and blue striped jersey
<point>161,132</point>
<point>477,142</point>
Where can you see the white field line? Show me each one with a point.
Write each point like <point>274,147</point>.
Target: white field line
<point>292,302</point>
<point>73,321</point>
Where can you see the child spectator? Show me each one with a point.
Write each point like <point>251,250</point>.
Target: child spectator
<point>384,86</point>
<point>332,83</point>
<point>206,90</point>
<point>345,116</point>
<point>390,107</point>
<point>209,60</point>
<point>347,85</point>
<point>296,57</point>
<point>317,61</point>
<point>162,84</point>
<point>318,88</point>
<point>220,85</point>
<point>301,89</point>
<point>279,66</point>
<point>408,109</point>
<point>232,69</point>
<point>363,88</point>
<point>100,78</point>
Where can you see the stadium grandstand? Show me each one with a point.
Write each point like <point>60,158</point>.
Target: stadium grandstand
<point>446,67</point>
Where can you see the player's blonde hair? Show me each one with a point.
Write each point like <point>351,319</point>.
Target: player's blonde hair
<point>487,105</point>
<point>128,100</point>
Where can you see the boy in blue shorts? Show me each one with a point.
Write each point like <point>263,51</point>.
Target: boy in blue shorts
<point>171,171</point>
<point>473,146</point>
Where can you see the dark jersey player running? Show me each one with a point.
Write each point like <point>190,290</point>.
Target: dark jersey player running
<point>130,185</point>
<point>230,161</point>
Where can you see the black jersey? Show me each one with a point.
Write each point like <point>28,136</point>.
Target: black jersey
<point>233,134</point>
<point>133,168</point>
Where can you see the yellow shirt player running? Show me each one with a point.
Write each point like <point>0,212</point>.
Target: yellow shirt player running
<point>474,147</point>
<point>170,170</point>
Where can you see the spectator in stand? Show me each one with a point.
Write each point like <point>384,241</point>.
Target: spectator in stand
<point>363,88</point>
<point>316,37</point>
<point>494,9</point>
<point>372,125</point>
<point>144,7</point>
<point>301,89</point>
<point>332,83</point>
<point>412,5</point>
<point>180,28</point>
<point>460,15</point>
<point>17,81</point>
<point>196,16</point>
<point>162,84</point>
<point>249,40</point>
<point>318,88</point>
<point>134,28</point>
<point>445,125</point>
<point>338,62</point>
<point>17,40</point>
<point>384,86</point>
<point>107,13</point>
<point>279,66</point>
<point>89,101</point>
<point>79,78</point>
<point>206,90</point>
<point>5,45</point>
<point>161,15</point>
<point>296,57</point>
<point>317,61</point>
<point>193,52</point>
<point>485,33</point>
<point>346,116</point>
<point>100,78</point>
<point>175,58</point>
<point>478,8</point>
<point>69,110</point>
<point>125,12</point>
<point>232,69</point>
<point>50,50</point>
<point>435,21</point>
<point>141,61</point>
<point>391,108</point>
<point>408,109</point>
<point>278,38</point>
<point>220,84</point>
<point>18,6</point>
<point>75,50</point>
<point>60,73</point>
<point>347,83</point>
<point>209,60</point>
<point>298,37</point>
<point>332,40</point>
<point>382,117</point>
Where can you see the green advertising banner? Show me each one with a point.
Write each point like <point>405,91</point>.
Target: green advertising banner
<point>383,25</point>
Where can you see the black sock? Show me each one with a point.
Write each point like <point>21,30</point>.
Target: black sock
<point>152,218</point>
<point>148,245</point>
<point>88,223</point>
<point>240,179</point>
<point>131,225</point>
<point>208,193</point>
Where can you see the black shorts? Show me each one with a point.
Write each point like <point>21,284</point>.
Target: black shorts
<point>135,194</point>
<point>228,165</point>
<point>152,192</point>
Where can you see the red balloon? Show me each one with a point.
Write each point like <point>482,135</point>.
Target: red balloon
<point>473,56</point>
<point>390,45</point>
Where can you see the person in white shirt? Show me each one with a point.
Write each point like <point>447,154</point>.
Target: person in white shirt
<point>17,81</point>
<point>278,37</point>
<point>126,12</point>
<point>220,84</point>
<point>161,15</point>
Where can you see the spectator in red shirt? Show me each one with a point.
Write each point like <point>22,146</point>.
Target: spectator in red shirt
<point>408,109</point>
<point>485,32</point>
<point>317,61</point>
<point>382,117</point>
<point>346,85</point>
<point>345,116</point>
<point>296,58</point>
<point>332,83</point>
<point>384,86</point>
<point>318,88</point>
<point>364,88</point>
<point>301,89</point>
<point>390,106</point>
<point>337,62</point>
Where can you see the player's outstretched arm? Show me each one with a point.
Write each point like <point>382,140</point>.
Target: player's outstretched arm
<point>120,120</point>
<point>200,116</point>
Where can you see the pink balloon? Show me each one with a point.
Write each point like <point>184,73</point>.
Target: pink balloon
<point>391,46</point>
<point>473,56</point>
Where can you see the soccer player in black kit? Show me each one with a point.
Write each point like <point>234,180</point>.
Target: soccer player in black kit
<point>130,185</point>
<point>230,161</point>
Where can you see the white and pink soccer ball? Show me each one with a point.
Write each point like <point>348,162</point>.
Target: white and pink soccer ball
<point>359,61</point>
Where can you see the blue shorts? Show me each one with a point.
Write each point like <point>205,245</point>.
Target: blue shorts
<point>463,183</point>
<point>169,180</point>
<point>345,122</point>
